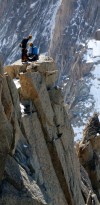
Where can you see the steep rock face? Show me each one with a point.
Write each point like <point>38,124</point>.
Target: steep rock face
<point>60,28</point>
<point>75,77</point>
<point>88,152</point>
<point>77,88</point>
<point>41,166</point>
<point>82,85</point>
<point>80,20</point>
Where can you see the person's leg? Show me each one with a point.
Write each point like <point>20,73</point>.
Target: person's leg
<point>35,58</point>
<point>24,55</point>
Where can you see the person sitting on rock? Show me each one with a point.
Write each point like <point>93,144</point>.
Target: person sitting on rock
<point>33,53</point>
<point>23,45</point>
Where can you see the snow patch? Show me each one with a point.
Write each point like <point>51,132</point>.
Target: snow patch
<point>32,5</point>
<point>17,83</point>
<point>93,51</point>
<point>4,42</point>
<point>25,146</point>
<point>95,88</point>
<point>22,108</point>
<point>18,24</point>
<point>95,45</point>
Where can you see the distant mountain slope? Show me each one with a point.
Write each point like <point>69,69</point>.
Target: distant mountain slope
<point>87,99</point>
<point>20,18</point>
<point>72,21</point>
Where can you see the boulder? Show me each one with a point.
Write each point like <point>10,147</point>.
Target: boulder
<point>14,70</point>
<point>89,152</point>
<point>97,35</point>
<point>47,68</point>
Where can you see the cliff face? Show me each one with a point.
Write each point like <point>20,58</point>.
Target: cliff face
<point>36,136</point>
<point>76,21</point>
<point>62,29</point>
<point>89,152</point>
<point>77,60</point>
<point>38,160</point>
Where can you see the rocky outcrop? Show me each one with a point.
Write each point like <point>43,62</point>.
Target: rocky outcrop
<point>62,30</point>
<point>40,165</point>
<point>38,160</point>
<point>89,152</point>
<point>87,190</point>
<point>97,35</point>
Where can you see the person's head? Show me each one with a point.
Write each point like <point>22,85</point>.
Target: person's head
<point>31,44</point>
<point>30,36</point>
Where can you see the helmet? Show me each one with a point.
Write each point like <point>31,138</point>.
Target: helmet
<point>31,44</point>
<point>30,36</point>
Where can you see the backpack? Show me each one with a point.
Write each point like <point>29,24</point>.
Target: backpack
<point>35,50</point>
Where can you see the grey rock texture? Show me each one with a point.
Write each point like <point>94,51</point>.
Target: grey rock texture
<point>97,35</point>
<point>88,152</point>
<point>60,28</point>
<point>40,165</point>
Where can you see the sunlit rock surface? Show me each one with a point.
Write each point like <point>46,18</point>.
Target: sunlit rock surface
<point>39,163</point>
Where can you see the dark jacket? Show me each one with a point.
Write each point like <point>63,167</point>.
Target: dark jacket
<point>24,43</point>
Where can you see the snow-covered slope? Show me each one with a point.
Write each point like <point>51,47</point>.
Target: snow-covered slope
<point>92,102</point>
